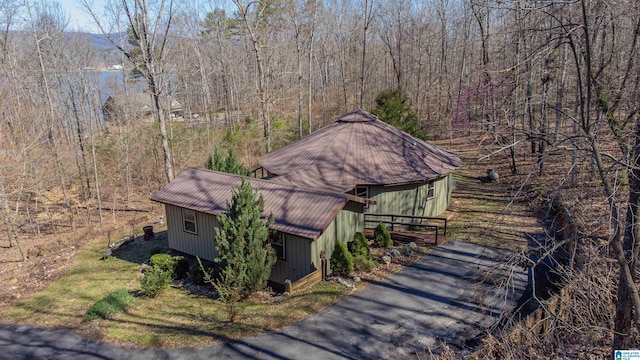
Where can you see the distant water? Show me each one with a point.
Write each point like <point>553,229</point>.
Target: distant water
<point>111,82</point>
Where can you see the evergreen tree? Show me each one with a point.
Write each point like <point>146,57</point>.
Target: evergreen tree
<point>381,236</point>
<point>242,243</point>
<point>228,163</point>
<point>341,259</point>
<point>393,108</point>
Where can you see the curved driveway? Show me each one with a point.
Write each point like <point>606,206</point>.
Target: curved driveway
<point>449,295</point>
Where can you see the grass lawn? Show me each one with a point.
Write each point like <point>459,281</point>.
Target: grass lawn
<point>175,318</point>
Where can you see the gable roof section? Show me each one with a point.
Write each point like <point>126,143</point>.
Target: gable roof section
<point>360,149</point>
<point>296,211</point>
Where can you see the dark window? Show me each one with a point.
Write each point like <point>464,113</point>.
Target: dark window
<point>277,241</point>
<point>189,221</point>
<point>363,192</point>
<point>431,189</point>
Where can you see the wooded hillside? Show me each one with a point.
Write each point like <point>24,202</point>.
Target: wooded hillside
<point>552,87</point>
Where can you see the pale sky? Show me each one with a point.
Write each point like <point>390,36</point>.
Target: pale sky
<point>80,20</point>
<point>78,17</point>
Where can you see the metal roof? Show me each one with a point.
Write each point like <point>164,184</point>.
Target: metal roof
<point>296,211</point>
<point>359,149</point>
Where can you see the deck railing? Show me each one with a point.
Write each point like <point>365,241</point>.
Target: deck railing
<point>259,173</point>
<point>407,222</point>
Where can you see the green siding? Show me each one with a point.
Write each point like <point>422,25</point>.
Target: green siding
<point>201,244</point>
<point>302,255</point>
<point>349,221</point>
<point>297,261</point>
<point>410,199</point>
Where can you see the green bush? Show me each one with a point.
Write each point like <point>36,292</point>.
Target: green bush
<point>155,250</point>
<point>163,261</point>
<point>359,245</point>
<point>177,266</point>
<point>181,269</point>
<point>364,263</point>
<point>109,305</point>
<point>341,259</point>
<point>155,280</point>
<point>381,236</point>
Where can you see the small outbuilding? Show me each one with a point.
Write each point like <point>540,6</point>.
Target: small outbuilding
<point>135,106</point>
<point>366,157</point>
<point>306,223</point>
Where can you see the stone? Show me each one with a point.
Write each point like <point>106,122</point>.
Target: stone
<point>356,279</point>
<point>493,175</point>
<point>406,251</point>
<point>394,253</point>
<point>386,259</point>
<point>412,246</point>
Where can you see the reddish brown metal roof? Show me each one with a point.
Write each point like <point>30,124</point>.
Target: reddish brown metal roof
<point>359,149</point>
<point>296,211</point>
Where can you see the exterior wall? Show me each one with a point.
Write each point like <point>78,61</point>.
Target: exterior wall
<point>442,197</point>
<point>410,199</point>
<point>302,255</point>
<point>200,244</point>
<point>297,261</point>
<point>349,221</point>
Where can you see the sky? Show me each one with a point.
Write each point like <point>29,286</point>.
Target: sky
<point>80,20</point>
<point>78,17</point>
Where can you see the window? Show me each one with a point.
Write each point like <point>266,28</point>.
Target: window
<point>189,221</point>
<point>363,192</point>
<point>276,239</point>
<point>431,189</point>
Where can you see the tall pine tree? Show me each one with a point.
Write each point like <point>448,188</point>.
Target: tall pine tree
<point>242,244</point>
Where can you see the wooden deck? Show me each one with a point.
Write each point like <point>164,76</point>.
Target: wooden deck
<point>406,237</point>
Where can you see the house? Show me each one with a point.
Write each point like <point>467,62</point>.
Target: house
<point>317,189</point>
<point>306,221</point>
<point>136,106</point>
<point>363,156</point>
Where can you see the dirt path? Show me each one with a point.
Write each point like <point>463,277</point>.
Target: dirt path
<point>485,212</point>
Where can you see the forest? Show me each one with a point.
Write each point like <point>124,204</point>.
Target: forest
<point>552,87</point>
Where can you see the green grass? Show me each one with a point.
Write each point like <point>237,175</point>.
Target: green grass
<point>174,318</point>
<point>110,305</point>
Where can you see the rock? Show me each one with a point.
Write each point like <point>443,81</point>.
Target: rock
<point>406,251</point>
<point>412,246</point>
<point>356,279</point>
<point>394,253</point>
<point>386,259</point>
<point>493,176</point>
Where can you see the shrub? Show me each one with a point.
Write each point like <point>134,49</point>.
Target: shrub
<point>181,268</point>
<point>163,261</point>
<point>359,245</point>
<point>155,250</point>
<point>177,266</point>
<point>364,263</point>
<point>381,236</point>
<point>341,259</point>
<point>109,305</point>
<point>155,280</point>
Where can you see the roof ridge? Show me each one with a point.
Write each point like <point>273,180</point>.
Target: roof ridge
<point>275,184</point>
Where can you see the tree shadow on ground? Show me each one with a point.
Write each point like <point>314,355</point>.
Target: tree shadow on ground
<point>139,250</point>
